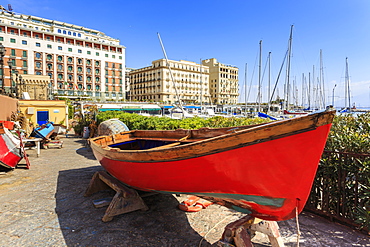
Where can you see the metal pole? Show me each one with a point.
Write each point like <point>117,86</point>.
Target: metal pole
<point>333,94</point>
<point>10,73</point>
<point>2,53</point>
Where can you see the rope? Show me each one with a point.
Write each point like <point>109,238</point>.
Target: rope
<point>297,222</point>
<point>200,243</point>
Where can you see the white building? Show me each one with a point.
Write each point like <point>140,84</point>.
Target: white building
<point>81,62</point>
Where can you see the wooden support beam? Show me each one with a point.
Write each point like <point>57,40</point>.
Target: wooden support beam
<point>239,233</point>
<point>125,200</point>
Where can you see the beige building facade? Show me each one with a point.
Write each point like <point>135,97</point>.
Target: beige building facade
<point>189,80</point>
<point>38,111</point>
<point>223,82</point>
<point>36,87</point>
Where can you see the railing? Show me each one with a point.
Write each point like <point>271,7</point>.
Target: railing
<point>341,189</point>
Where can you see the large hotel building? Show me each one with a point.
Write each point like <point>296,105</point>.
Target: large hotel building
<point>210,82</point>
<point>80,62</point>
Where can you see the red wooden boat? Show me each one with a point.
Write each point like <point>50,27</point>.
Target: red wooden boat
<point>10,151</point>
<point>264,170</point>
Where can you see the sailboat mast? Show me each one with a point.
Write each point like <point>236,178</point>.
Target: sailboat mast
<point>201,91</point>
<point>269,86</point>
<point>348,93</point>
<point>288,67</point>
<point>169,68</point>
<point>245,88</point>
<point>259,78</point>
<point>322,80</point>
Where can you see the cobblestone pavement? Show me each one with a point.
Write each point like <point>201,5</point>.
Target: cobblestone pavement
<point>45,206</point>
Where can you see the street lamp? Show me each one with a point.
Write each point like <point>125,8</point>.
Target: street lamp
<point>333,94</point>
<point>10,64</point>
<point>20,89</point>
<point>2,53</point>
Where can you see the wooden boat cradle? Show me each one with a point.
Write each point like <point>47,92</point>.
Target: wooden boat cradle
<point>125,200</point>
<point>238,233</point>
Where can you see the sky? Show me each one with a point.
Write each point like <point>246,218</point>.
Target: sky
<point>231,31</point>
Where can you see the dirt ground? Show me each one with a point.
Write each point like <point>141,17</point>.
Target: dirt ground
<point>45,206</point>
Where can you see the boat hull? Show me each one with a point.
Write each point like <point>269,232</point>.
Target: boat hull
<point>268,179</point>
<point>10,153</point>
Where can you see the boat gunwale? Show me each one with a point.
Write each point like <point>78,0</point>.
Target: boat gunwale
<point>314,118</point>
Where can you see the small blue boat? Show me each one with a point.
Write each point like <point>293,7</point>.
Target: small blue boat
<point>43,131</point>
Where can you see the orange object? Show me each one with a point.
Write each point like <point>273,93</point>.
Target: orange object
<point>194,204</point>
<point>8,124</point>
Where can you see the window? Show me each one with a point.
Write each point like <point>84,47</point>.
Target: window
<point>59,31</point>
<point>70,49</point>
<point>79,69</point>
<point>37,36</point>
<point>48,38</point>
<point>1,38</point>
<point>24,64</point>
<point>50,66</point>
<point>60,58</point>
<point>38,65</point>
<point>97,71</point>
<point>12,40</point>
<point>88,52</point>
<point>113,56</point>
<point>24,42</point>
<point>88,62</point>
<point>106,55</point>
<point>70,77</point>
<point>59,48</point>
<point>97,79</point>
<point>88,79</point>
<point>88,70</point>
<point>97,87</point>
<point>106,64</point>
<point>79,51</point>
<point>64,32</point>
<point>49,46</point>
<point>49,57</point>
<point>38,73</point>
<point>50,75</point>
<point>24,54</point>
<point>97,63</point>
<point>79,78</point>
<point>12,52</point>
<point>25,72</point>
<point>79,35</point>
<point>60,76</point>
<point>12,31</point>
<point>88,87</point>
<point>60,67</point>
<point>69,60</point>
<point>38,44</point>
<point>120,57</point>
<point>79,61</point>
<point>69,33</point>
<point>97,53</point>
<point>69,68</point>
<point>38,55</point>
<point>74,34</point>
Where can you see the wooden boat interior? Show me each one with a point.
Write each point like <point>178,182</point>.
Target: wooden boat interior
<point>160,139</point>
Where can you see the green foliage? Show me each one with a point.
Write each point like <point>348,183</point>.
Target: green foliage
<point>342,183</point>
<point>135,121</point>
<point>350,134</point>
